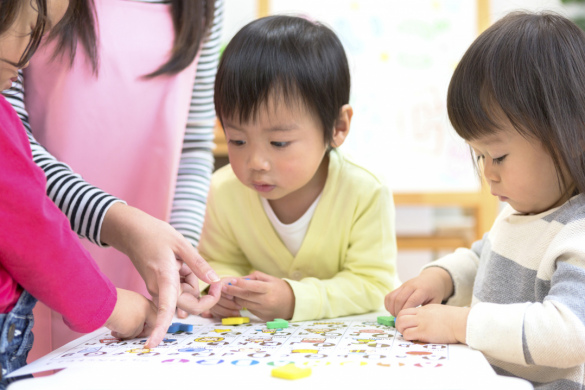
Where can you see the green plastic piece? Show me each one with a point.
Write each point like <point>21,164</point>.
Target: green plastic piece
<point>278,323</point>
<point>387,320</point>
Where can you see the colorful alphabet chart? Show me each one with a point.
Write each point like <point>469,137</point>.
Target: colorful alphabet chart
<point>336,342</point>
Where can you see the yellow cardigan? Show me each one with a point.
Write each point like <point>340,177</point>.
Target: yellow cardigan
<point>347,261</point>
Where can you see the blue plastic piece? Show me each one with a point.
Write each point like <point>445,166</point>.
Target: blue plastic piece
<point>186,327</point>
<point>175,327</point>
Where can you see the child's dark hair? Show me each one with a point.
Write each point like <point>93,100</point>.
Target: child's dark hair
<point>285,57</point>
<point>9,10</point>
<point>77,23</point>
<point>528,68</point>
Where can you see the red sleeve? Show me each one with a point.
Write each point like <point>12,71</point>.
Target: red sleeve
<point>38,249</point>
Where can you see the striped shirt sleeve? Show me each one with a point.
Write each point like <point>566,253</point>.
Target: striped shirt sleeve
<point>84,205</point>
<point>196,164</point>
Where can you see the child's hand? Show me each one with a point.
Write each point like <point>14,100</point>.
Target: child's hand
<point>133,316</point>
<point>433,285</point>
<point>433,323</point>
<point>225,307</point>
<point>265,296</point>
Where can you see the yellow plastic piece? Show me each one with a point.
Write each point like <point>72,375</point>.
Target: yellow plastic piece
<point>234,320</point>
<point>290,371</point>
<point>139,350</point>
<point>305,351</point>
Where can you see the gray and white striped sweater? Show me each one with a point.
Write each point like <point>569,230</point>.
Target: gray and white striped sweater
<point>525,282</point>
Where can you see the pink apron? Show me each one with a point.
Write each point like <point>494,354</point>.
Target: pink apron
<point>121,132</point>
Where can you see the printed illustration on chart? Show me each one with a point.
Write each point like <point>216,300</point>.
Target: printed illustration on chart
<point>310,343</point>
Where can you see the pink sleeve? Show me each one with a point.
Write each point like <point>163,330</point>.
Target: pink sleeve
<point>37,246</point>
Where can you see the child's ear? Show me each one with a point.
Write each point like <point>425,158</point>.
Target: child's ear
<point>341,129</point>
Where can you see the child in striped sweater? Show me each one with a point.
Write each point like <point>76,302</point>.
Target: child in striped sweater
<point>518,98</point>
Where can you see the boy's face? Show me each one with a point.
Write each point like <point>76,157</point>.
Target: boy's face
<point>279,154</point>
<point>15,40</point>
<point>519,171</point>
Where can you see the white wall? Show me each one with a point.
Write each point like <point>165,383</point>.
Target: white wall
<point>237,14</point>
<point>240,12</point>
<point>501,7</point>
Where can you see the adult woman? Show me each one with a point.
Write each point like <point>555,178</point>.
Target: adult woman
<point>130,115</point>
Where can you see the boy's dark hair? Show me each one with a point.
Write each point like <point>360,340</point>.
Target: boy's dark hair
<point>286,57</point>
<point>9,10</point>
<point>192,20</point>
<point>530,68</point>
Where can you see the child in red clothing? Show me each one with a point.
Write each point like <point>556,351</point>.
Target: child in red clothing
<point>40,257</point>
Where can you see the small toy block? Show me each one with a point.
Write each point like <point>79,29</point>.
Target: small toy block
<point>290,371</point>
<point>234,320</point>
<point>186,327</point>
<point>278,323</point>
<point>140,350</point>
<point>387,320</point>
<point>175,326</point>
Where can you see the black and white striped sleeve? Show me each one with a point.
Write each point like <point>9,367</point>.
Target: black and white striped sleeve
<point>84,205</point>
<point>196,164</point>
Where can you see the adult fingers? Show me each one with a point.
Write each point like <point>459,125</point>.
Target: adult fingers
<point>227,302</point>
<point>195,305</point>
<point>147,332</point>
<point>156,334</point>
<point>193,283</point>
<point>214,292</point>
<point>195,262</point>
<point>167,302</point>
<point>189,286</point>
<point>188,289</point>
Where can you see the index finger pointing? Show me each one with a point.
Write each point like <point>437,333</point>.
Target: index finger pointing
<point>167,301</point>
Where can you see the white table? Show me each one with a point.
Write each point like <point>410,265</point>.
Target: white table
<point>468,369</point>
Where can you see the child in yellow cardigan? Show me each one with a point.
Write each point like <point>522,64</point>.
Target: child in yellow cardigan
<point>296,229</point>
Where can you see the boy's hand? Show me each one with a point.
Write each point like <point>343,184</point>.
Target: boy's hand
<point>265,296</point>
<point>434,323</point>
<point>133,316</point>
<point>433,285</point>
